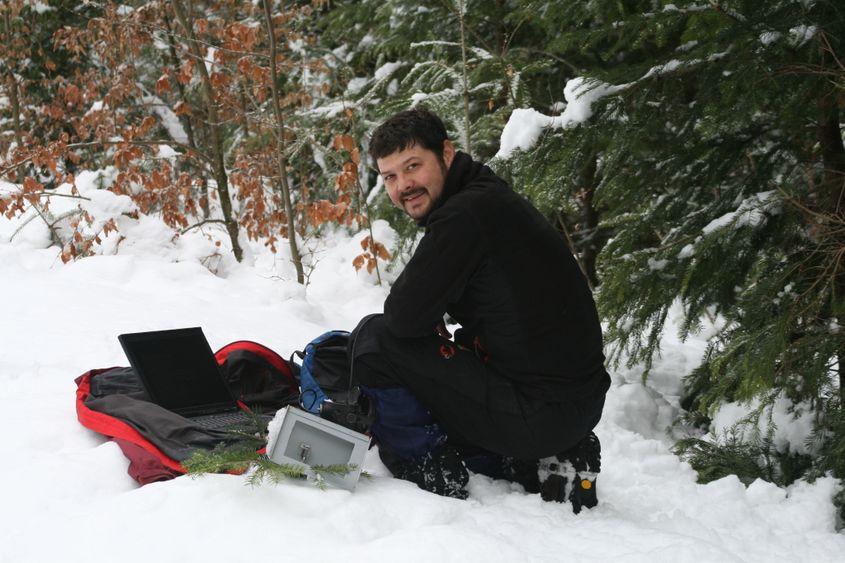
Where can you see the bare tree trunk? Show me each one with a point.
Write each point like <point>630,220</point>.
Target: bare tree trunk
<point>500,32</point>
<point>216,135</point>
<point>462,14</point>
<point>14,101</point>
<point>244,108</point>
<point>174,60</point>
<point>590,243</point>
<point>282,159</point>
<point>561,220</point>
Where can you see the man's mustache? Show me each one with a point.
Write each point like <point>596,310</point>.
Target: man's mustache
<point>411,193</point>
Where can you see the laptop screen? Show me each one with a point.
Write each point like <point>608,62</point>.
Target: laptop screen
<point>178,369</point>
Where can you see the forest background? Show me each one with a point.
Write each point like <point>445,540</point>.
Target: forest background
<point>690,153</point>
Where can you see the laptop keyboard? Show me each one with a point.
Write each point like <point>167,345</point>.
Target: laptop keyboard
<point>221,420</point>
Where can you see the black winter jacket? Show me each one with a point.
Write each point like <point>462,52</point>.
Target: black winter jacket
<point>493,263</point>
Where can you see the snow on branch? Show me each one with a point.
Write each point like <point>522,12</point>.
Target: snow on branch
<point>526,125</point>
<point>751,212</point>
<point>479,52</point>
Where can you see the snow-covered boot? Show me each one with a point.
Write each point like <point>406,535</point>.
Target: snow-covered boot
<point>524,472</point>
<point>441,471</point>
<point>495,466</point>
<point>571,475</point>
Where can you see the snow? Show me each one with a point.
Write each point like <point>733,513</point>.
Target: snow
<point>799,35</point>
<point>751,212</point>
<point>96,106</point>
<point>332,109</point>
<point>40,7</point>
<point>166,152</point>
<point>209,59</point>
<point>418,97</point>
<point>670,66</point>
<point>522,131</point>
<point>377,189</point>
<point>657,264</point>
<point>356,85</point>
<point>687,251</point>
<point>169,119</point>
<point>297,46</point>
<point>387,69</point>
<point>792,426</point>
<point>525,125</point>
<point>769,37</point>
<point>478,51</point>
<point>66,495</point>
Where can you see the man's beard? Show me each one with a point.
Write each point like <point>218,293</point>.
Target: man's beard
<point>433,201</point>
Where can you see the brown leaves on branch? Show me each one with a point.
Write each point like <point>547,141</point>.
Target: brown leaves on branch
<point>348,183</point>
<point>45,156</point>
<point>163,84</point>
<point>126,154</point>
<point>324,211</point>
<point>164,190</point>
<point>186,72</point>
<point>82,244</point>
<point>105,114</point>
<point>372,252</point>
<point>256,217</point>
<point>181,108</point>
<point>341,211</point>
<point>240,37</point>
<point>347,143</point>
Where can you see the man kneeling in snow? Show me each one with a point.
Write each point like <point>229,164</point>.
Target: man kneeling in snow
<point>518,392</point>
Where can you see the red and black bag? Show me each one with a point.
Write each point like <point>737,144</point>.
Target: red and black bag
<point>112,402</point>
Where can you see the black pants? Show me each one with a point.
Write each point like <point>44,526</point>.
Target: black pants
<point>476,404</point>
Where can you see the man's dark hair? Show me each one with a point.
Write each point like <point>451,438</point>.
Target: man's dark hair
<point>417,126</point>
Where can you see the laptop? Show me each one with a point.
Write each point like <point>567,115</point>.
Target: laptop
<point>179,372</point>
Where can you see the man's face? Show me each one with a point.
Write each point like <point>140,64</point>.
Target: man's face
<point>414,177</point>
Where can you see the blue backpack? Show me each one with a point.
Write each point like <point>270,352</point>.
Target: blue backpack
<point>325,382</point>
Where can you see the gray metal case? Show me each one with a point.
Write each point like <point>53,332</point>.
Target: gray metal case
<point>308,440</point>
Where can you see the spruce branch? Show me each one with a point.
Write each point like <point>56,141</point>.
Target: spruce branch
<point>219,460</point>
<point>258,467</point>
<point>732,14</point>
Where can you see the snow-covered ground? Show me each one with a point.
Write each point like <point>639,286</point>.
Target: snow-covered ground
<point>65,495</point>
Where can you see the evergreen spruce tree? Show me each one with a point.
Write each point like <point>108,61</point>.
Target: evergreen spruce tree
<point>720,163</point>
